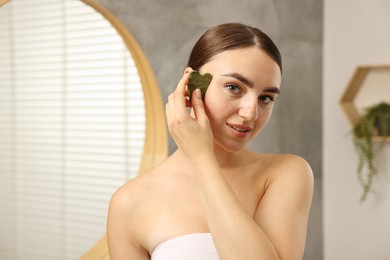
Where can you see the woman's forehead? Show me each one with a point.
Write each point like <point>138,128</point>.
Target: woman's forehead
<point>251,64</point>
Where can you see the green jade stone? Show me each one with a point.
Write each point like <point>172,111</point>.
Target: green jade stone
<point>198,80</point>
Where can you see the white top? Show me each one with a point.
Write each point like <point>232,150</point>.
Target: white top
<point>199,246</point>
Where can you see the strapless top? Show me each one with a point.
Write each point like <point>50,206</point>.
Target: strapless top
<point>198,246</point>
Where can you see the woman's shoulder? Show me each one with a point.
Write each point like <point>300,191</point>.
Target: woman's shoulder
<point>283,166</point>
<point>140,189</point>
<point>292,172</point>
<point>288,180</point>
<point>276,159</point>
<point>146,190</point>
<point>133,208</point>
<point>287,160</point>
<point>136,204</point>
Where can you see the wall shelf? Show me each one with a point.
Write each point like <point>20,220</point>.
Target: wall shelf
<point>368,85</point>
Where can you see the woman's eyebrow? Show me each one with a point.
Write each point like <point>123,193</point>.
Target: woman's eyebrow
<point>241,78</point>
<point>272,90</point>
<point>250,83</point>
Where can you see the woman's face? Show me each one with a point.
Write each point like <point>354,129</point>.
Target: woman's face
<point>241,95</point>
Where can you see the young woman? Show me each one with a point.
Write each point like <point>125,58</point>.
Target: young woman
<point>213,198</point>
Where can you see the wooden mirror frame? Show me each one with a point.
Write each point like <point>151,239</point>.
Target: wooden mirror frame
<point>155,147</point>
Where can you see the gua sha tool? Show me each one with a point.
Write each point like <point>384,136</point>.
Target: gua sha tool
<point>198,80</point>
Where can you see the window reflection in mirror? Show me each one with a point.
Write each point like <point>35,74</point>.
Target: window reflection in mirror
<point>72,120</point>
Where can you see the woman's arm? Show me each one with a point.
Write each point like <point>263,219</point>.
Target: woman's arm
<point>283,211</point>
<point>279,228</point>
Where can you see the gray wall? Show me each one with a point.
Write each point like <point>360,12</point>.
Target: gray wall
<point>167,30</point>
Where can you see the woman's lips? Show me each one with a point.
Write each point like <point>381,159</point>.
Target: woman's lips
<point>241,131</point>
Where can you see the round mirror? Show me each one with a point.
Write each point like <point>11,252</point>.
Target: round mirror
<point>80,113</point>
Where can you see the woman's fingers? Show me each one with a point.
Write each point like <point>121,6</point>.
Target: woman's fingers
<point>182,87</point>
<point>197,103</point>
<point>191,132</point>
<point>176,107</point>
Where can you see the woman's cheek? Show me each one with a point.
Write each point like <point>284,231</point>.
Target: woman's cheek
<point>262,121</point>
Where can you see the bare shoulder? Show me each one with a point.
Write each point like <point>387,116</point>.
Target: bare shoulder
<point>289,180</point>
<point>129,194</point>
<point>128,218</point>
<point>288,167</point>
<point>134,197</point>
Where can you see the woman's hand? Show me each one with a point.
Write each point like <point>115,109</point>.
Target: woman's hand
<point>190,131</point>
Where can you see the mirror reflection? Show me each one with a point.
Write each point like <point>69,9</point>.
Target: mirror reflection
<point>72,122</point>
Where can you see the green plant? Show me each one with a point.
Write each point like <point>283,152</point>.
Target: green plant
<point>373,122</point>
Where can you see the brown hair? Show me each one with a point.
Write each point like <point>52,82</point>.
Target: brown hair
<point>230,36</point>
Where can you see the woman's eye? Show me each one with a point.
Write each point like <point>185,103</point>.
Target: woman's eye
<point>233,88</point>
<point>266,99</point>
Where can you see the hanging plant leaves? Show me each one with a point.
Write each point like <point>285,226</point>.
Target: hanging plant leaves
<point>373,122</point>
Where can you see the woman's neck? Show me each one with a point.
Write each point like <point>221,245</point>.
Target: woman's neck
<point>225,159</point>
<point>228,159</point>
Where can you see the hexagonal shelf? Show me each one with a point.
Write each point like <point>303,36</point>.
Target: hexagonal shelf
<point>368,85</point>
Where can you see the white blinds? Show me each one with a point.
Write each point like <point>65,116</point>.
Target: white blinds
<point>72,124</point>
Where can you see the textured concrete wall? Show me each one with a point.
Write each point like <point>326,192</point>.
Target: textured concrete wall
<point>167,30</point>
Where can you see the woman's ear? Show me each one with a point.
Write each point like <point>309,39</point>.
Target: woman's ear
<point>187,70</point>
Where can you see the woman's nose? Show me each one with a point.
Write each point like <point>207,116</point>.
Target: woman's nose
<point>249,110</point>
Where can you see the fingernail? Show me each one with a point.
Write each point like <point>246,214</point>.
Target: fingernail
<point>198,93</point>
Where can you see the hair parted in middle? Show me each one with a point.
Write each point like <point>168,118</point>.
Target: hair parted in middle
<point>231,36</point>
